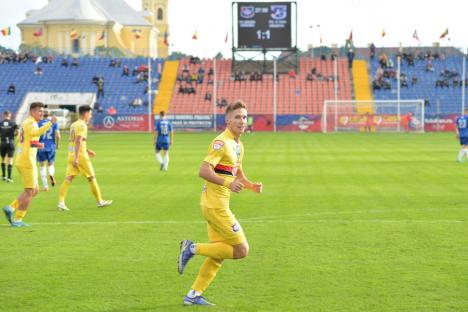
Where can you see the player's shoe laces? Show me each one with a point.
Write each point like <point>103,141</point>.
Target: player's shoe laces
<point>19,224</point>
<point>62,207</point>
<point>8,213</point>
<point>52,180</point>
<point>185,255</point>
<point>104,203</point>
<point>198,300</point>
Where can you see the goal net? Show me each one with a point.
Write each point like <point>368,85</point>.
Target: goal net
<point>373,116</point>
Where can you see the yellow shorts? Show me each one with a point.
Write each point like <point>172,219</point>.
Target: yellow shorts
<point>223,226</point>
<point>84,168</point>
<point>28,176</point>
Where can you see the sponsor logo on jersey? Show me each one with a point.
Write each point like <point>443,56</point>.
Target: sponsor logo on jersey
<point>235,227</point>
<point>217,145</point>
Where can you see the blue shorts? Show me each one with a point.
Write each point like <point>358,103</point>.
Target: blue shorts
<point>463,140</point>
<point>162,146</point>
<point>48,156</point>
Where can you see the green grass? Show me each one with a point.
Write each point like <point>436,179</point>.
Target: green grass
<point>347,222</point>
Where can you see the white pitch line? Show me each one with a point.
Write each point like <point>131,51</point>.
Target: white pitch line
<point>243,221</point>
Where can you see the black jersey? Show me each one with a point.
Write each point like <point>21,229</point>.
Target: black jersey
<point>7,131</point>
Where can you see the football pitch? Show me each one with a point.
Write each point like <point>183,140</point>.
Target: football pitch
<point>346,222</point>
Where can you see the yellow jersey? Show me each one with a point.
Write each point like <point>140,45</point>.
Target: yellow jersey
<point>28,142</point>
<point>225,154</point>
<point>78,128</point>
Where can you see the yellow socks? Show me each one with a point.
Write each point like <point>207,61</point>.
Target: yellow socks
<point>14,204</point>
<point>215,250</point>
<point>19,214</point>
<point>95,190</point>
<point>206,274</point>
<point>63,190</point>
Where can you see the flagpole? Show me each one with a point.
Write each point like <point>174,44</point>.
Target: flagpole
<point>149,94</point>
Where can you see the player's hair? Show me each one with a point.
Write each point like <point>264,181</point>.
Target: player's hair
<point>236,105</point>
<point>35,105</point>
<point>6,113</point>
<point>162,113</point>
<point>84,109</point>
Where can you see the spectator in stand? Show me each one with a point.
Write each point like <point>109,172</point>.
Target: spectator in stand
<point>75,62</point>
<point>136,102</point>
<point>119,63</point>
<point>210,72</point>
<point>372,51</point>
<point>139,78</point>
<point>292,74</point>
<point>113,63</point>
<point>201,71</point>
<point>403,81</point>
<point>350,58</point>
<point>125,71</point>
<point>208,96</point>
<point>112,110</point>
<point>38,71</point>
<point>200,78</point>
<point>386,84</point>
<point>64,62</point>
<point>191,89</point>
<point>427,103</point>
<point>310,77</point>
<point>98,107</point>
<point>455,82</point>
<point>100,86</point>
<point>252,77</point>
<point>379,74</point>
<point>429,66</point>
<point>135,71</point>
<point>383,60</point>
<point>194,77</point>
<point>414,80</point>
<point>11,89</point>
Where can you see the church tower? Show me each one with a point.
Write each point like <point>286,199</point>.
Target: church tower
<point>159,10</point>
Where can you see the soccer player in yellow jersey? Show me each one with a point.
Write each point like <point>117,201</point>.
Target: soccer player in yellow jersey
<point>78,159</point>
<point>222,171</point>
<point>25,162</point>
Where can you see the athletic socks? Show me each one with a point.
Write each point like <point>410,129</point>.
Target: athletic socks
<point>460,155</point>
<point>63,190</point>
<point>43,171</point>
<point>206,275</point>
<point>159,158</point>
<point>51,170</point>
<point>166,161</point>
<point>9,171</point>
<point>3,170</point>
<point>95,190</point>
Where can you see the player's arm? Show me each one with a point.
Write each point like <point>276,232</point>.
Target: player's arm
<point>254,186</point>
<point>77,150</point>
<point>207,173</point>
<point>36,131</point>
<point>57,138</point>
<point>155,135</point>
<point>457,133</point>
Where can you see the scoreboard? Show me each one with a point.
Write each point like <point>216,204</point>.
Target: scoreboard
<point>264,25</point>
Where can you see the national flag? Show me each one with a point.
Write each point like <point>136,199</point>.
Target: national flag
<point>383,33</point>
<point>73,34</point>
<point>195,35</point>
<point>445,33</point>
<point>166,41</point>
<point>350,38</point>
<point>38,32</point>
<point>138,34</point>
<point>6,31</point>
<point>103,35</point>
<point>415,35</point>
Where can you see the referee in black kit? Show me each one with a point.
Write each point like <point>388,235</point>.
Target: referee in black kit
<point>8,131</point>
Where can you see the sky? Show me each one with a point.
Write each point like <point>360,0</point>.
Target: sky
<point>327,19</point>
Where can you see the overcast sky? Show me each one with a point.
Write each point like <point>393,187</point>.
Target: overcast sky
<point>333,20</point>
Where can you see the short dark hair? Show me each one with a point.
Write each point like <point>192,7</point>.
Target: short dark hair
<point>5,113</point>
<point>236,105</point>
<point>162,113</point>
<point>84,109</point>
<point>35,105</point>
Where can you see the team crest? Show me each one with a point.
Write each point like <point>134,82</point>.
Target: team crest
<point>247,11</point>
<point>235,227</point>
<point>279,12</point>
<point>217,145</point>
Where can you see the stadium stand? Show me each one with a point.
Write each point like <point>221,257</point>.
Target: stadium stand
<point>119,90</point>
<point>298,93</point>
<point>437,80</point>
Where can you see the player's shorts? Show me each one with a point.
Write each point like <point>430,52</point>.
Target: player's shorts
<point>48,156</point>
<point>223,227</point>
<point>463,140</point>
<point>162,146</point>
<point>85,168</point>
<point>28,176</point>
<point>7,149</point>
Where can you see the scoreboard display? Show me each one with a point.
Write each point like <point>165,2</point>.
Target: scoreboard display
<point>264,25</point>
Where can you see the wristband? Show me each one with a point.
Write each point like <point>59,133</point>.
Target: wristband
<point>226,183</point>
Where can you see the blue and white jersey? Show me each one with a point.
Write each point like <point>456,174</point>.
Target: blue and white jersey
<point>48,138</point>
<point>164,129</point>
<point>462,125</point>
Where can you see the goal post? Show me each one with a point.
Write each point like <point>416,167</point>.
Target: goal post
<point>373,116</point>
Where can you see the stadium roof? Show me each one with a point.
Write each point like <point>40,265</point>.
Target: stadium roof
<point>87,11</point>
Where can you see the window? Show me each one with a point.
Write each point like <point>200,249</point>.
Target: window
<point>160,14</point>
